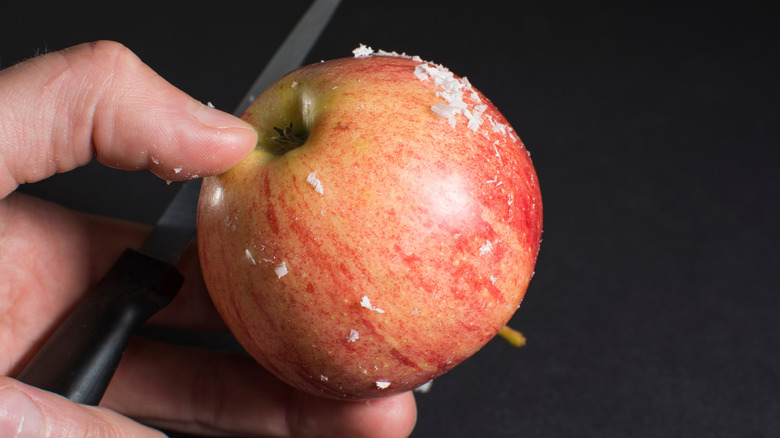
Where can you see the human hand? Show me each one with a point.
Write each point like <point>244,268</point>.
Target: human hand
<point>58,111</point>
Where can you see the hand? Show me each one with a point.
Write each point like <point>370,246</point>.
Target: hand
<point>57,112</point>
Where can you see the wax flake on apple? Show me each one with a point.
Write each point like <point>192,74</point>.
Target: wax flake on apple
<point>366,303</point>
<point>384,229</point>
<point>316,183</point>
<point>452,91</point>
<point>281,270</point>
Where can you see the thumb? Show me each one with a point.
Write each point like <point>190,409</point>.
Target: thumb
<point>98,99</point>
<point>30,412</point>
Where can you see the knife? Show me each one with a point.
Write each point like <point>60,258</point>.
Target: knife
<point>80,357</point>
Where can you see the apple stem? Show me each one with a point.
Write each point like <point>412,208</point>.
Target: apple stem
<point>286,139</point>
<point>514,337</point>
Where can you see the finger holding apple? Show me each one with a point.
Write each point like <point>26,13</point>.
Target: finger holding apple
<point>384,229</point>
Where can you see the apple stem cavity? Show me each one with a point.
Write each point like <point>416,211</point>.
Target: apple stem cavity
<point>286,140</point>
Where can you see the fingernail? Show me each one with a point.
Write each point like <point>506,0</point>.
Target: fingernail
<point>20,416</point>
<point>215,118</point>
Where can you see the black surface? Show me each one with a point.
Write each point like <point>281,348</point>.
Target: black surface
<point>654,131</point>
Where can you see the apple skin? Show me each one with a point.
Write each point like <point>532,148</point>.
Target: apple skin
<point>386,249</point>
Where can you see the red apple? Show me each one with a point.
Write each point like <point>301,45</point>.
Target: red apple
<point>384,229</point>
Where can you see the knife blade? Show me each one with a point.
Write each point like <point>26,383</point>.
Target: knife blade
<point>80,357</point>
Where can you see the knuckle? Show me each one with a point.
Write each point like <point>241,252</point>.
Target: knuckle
<point>109,54</point>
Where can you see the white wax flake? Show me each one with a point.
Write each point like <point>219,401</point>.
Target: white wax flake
<point>294,84</point>
<point>281,270</point>
<point>420,72</point>
<point>451,89</point>
<point>249,256</point>
<point>316,183</point>
<point>230,222</point>
<point>323,377</point>
<point>495,148</point>
<point>354,335</point>
<point>398,55</point>
<point>499,127</point>
<point>382,385</point>
<point>365,302</point>
<point>476,117</point>
<point>362,50</point>
<point>414,312</point>
<point>486,248</point>
<point>177,170</point>
<point>447,111</point>
<point>424,388</point>
<point>210,105</point>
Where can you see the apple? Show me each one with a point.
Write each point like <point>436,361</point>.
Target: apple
<point>384,229</point>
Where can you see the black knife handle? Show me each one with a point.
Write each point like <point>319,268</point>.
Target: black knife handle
<point>80,357</point>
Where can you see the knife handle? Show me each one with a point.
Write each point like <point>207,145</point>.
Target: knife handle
<point>80,357</point>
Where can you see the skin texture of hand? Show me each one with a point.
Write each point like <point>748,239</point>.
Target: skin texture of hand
<point>98,100</point>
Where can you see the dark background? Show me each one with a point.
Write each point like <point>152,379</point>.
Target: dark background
<point>654,130</point>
